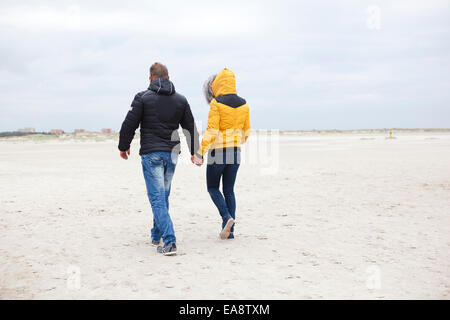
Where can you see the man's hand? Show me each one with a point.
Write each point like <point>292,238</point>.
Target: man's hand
<point>124,154</point>
<point>196,160</point>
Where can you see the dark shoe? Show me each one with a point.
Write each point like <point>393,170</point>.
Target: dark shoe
<point>227,229</point>
<point>169,250</point>
<point>156,243</point>
<point>231,236</point>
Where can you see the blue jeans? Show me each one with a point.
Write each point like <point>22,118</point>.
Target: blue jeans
<point>158,168</point>
<point>223,164</point>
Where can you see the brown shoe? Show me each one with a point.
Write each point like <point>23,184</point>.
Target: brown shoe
<point>227,229</point>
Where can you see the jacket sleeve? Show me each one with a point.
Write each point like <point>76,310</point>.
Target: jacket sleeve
<point>189,129</point>
<point>131,123</point>
<point>212,129</point>
<point>247,127</point>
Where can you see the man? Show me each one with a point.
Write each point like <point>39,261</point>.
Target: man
<point>159,111</point>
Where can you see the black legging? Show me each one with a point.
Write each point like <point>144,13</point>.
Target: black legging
<point>223,163</point>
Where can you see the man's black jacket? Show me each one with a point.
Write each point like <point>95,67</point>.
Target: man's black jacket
<point>159,110</point>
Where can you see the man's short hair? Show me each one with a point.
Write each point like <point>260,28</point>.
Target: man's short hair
<point>158,70</point>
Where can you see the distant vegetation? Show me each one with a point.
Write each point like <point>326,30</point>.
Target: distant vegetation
<point>64,136</point>
<point>19,134</point>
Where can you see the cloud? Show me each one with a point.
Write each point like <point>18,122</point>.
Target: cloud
<point>149,18</point>
<point>299,64</point>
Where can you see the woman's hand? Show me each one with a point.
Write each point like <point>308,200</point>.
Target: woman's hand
<point>196,160</point>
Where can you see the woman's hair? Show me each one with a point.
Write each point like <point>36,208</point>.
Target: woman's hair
<point>207,90</point>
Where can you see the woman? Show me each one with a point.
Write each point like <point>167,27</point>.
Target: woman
<point>228,127</point>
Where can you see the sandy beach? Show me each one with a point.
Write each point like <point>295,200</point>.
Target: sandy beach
<point>338,216</point>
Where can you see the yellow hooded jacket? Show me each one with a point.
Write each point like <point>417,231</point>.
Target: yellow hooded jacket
<point>229,116</point>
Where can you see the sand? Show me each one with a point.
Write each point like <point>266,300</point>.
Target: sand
<point>338,216</point>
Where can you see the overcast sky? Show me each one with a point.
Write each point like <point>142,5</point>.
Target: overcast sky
<point>299,64</point>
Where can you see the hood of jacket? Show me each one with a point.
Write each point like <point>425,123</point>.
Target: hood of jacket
<point>162,86</point>
<point>225,83</point>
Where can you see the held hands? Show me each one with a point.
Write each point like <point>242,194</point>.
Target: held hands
<point>196,160</point>
<point>124,154</point>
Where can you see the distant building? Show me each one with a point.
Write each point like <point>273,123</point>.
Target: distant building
<point>107,130</point>
<point>26,130</point>
<point>79,130</point>
<point>56,131</point>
